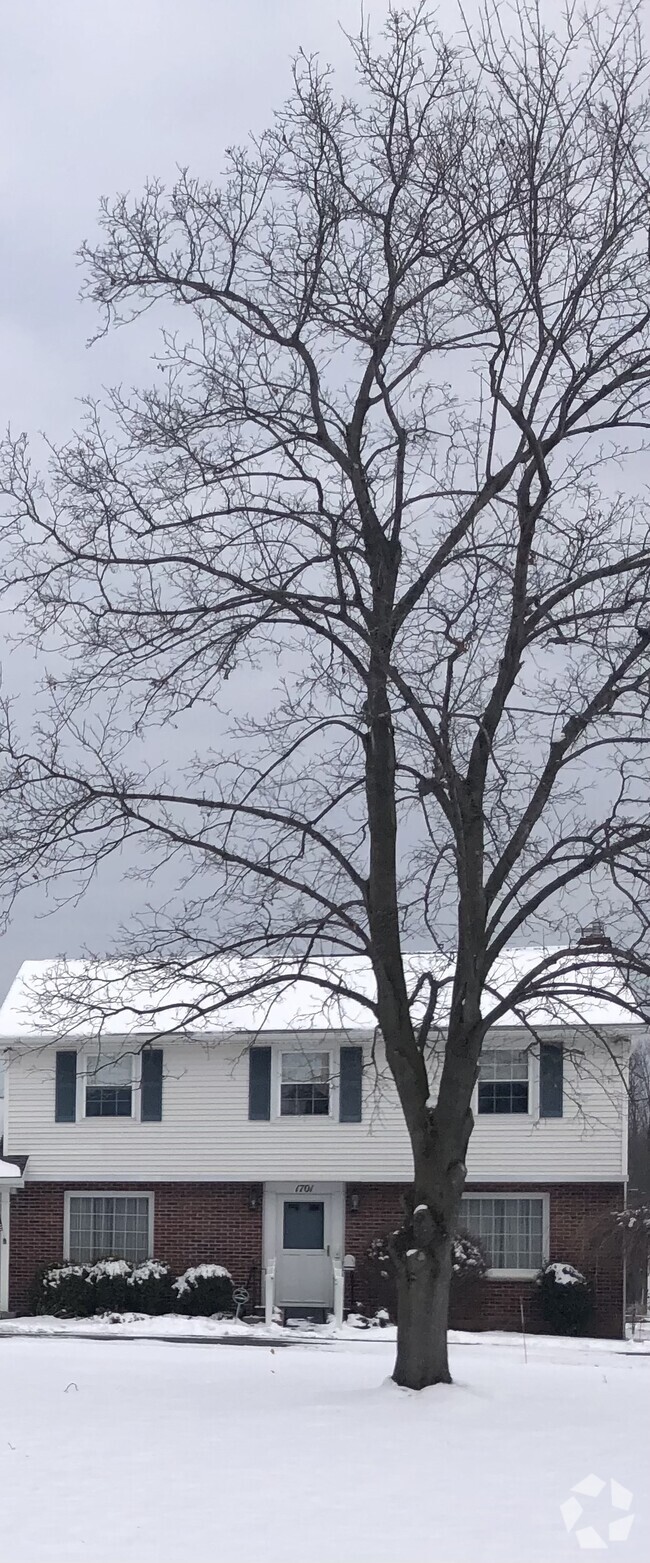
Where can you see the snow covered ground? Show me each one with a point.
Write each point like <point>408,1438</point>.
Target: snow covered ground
<point>130,1450</point>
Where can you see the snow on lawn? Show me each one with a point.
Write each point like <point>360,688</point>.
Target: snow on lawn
<point>126,1451</point>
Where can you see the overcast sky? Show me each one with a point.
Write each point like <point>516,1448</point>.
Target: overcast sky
<point>93,98</point>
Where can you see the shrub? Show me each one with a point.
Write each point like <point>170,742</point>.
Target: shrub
<point>77,1291</point>
<point>204,1289</point>
<point>469,1263</point>
<point>469,1267</point>
<point>62,1289</point>
<point>376,1281</point>
<point>108,1283</point>
<point>150,1288</point>
<point>567,1303</point>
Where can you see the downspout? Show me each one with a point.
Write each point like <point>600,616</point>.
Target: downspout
<point>4,1250</point>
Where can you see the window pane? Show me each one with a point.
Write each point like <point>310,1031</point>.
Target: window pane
<point>305,1067</point>
<point>303,1223</point>
<point>109,1227</point>
<point>304,1100</point>
<point>108,1070</point>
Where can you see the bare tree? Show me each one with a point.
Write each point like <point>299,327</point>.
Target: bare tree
<point>388,469</point>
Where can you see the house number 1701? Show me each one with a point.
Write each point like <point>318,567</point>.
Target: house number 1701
<point>304,1188</point>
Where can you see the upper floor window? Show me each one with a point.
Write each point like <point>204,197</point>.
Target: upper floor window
<point>503,1080</point>
<point>109,1087</point>
<point>305,1085</point>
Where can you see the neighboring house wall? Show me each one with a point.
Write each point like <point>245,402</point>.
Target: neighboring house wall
<point>205,1133</point>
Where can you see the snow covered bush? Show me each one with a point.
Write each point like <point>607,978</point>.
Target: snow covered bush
<point>468,1261</point>
<point>204,1290</point>
<point>108,1282</point>
<point>77,1291</point>
<point>150,1288</point>
<point>376,1286</point>
<point>374,1281</point>
<point>113,1286</point>
<point>567,1303</point>
<point>62,1289</point>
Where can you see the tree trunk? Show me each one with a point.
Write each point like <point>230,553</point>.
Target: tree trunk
<point>423,1282</point>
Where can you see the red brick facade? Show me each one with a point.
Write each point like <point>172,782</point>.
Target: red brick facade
<point>193,1223</point>
<point>222,1222</point>
<point>575,1213</point>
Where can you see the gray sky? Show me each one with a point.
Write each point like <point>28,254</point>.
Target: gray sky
<point>93,98</point>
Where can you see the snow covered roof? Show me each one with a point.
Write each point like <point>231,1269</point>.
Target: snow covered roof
<point>80,998</point>
<point>10,1171</point>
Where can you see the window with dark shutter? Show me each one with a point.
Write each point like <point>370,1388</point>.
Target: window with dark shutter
<point>259,1083</point>
<point>351,1071</point>
<point>551,1080</point>
<point>65,1093</point>
<point>151,1081</point>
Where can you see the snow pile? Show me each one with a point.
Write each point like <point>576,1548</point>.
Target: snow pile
<point>149,1270</point>
<point>132,1451</point>
<point>59,1273</point>
<point>108,1269</point>
<point>565,1275</point>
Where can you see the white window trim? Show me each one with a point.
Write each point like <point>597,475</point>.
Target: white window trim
<point>276,1083</point>
<point>532,1115</point>
<point>106,1194</point>
<point>517,1275</point>
<point>82,1084</point>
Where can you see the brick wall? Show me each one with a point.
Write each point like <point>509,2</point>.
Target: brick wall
<point>193,1222</point>
<point>575,1212</point>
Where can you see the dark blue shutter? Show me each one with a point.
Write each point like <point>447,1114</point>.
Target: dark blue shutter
<point>259,1082</point>
<point>351,1068</point>
<point>151,1085</point>
<point>551,1069</point>
<point>65,1094</point>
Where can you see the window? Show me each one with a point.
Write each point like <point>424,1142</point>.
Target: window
<point>108,1226</point>
<point>303,1224</point>
<point>109,1087</point>
<point>510,1229</point>
<point>305,1084</point>
<point>503,1081</point>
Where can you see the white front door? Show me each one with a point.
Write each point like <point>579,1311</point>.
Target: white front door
<point>304,1271</point>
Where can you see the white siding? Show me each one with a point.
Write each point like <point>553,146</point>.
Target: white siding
<point>205,1133</point>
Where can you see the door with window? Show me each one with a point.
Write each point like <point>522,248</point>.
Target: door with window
<point>304,1271</point>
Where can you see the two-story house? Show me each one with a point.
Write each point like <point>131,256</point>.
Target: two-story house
<point>267,1135</point>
